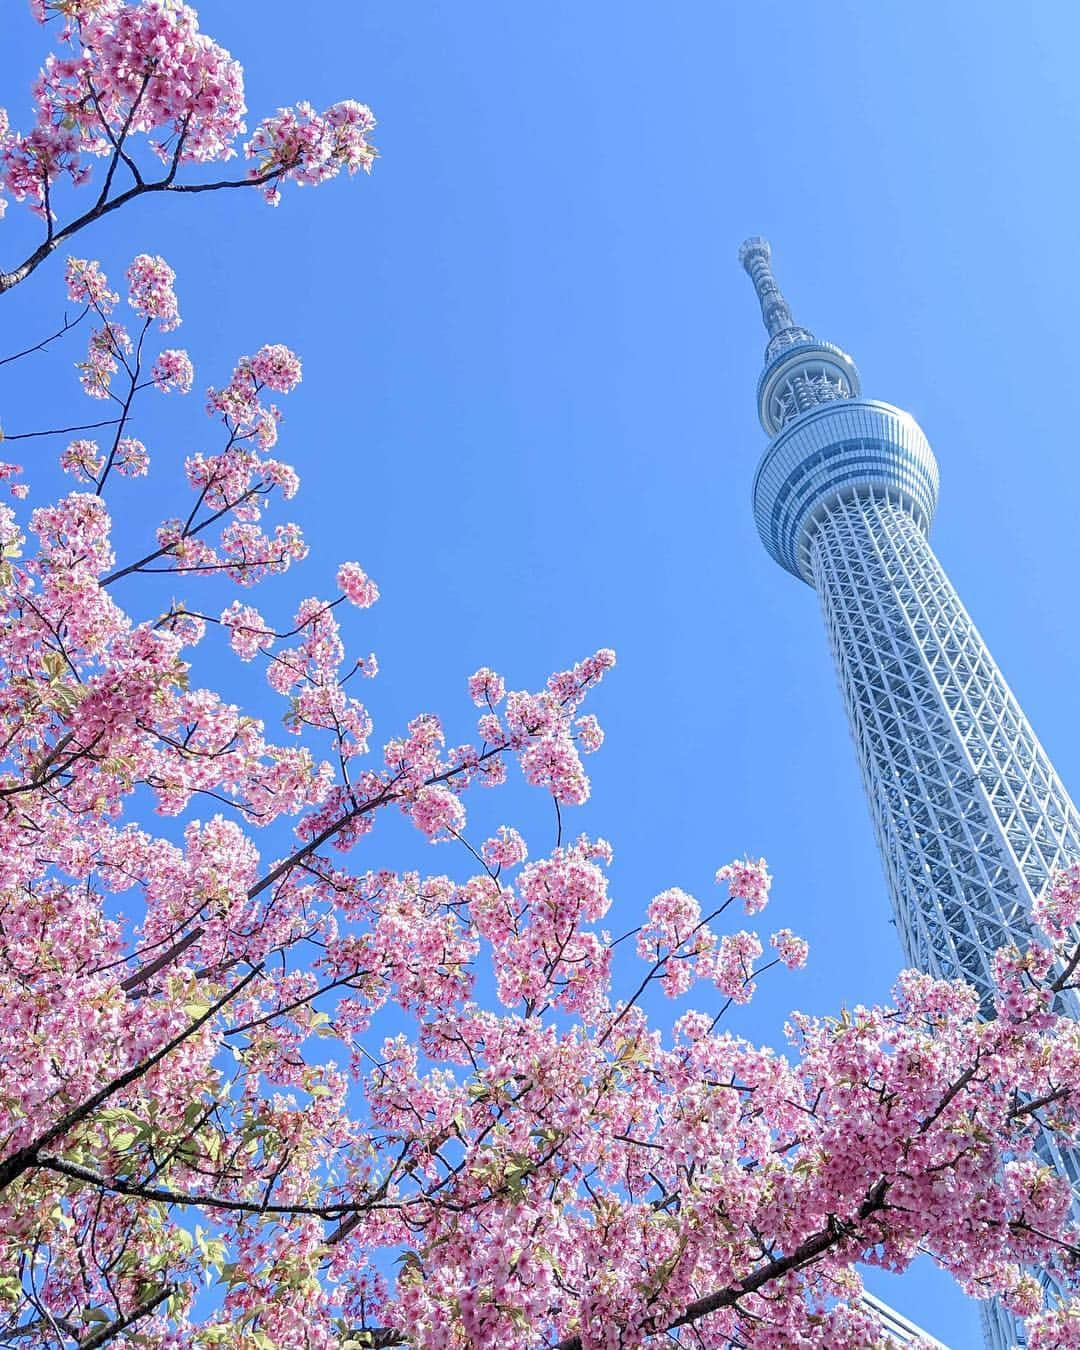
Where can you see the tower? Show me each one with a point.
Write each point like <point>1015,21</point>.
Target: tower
<point>970,817</point>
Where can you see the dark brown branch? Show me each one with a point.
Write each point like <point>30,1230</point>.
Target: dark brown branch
<point>1067,974</point>
<point>803,1255</point>
<point>177,949</point>
<point>165,1196</point>
<point>62,431</point>
<point>140,1310</point>
<point>8,280</point>
<point>188,534</point>
<point>25,1158</point>
<point>40,346</point>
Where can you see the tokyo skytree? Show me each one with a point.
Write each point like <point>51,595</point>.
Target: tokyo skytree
<point>970,817</point>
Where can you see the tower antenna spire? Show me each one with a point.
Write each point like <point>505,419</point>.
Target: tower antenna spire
<point>755,255</point>
<point>800,371</point>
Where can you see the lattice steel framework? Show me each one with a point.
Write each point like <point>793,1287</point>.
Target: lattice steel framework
<point>969,814</point>
<point>970,817</point>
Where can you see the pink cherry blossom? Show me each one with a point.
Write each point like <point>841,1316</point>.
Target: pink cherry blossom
<point>554,763</point>
<point>151,294</point>
<point>87,284</point>
<point>486,689</point>
<point>733,968</point>
<point>306,147</point>
<point>248,633</point>
<point>590,734</point>
<point>277,367</point>
<point>172,369</point>
<point>1057,910</point>
<point>356,585</point>
<point>10,472</point>
<point>747,881</point>
<point>107,349</point>
<point>437,811</point>
<point>132,459</point>
<point>505,849</point>
<point>792,950</point>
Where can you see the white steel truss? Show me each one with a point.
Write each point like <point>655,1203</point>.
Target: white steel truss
<point>970,817</point>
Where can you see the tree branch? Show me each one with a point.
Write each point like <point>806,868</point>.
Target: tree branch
<point>803,1255</point>
<point>25,1158</point>
<point>9,280</point>
<point>40,347</point>
<point>140,1310</point>
<point>165,1196</point>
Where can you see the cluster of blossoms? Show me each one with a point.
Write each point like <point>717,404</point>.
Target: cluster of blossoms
<point>308,147</point>
<point>143,68</point>
<point>172,369</point>
<point>107,349</point>
<point>355,584</point>
<point>505,849</point>
<point>486,689</point>
<point>238,404</point>
<point>791,950</point>
<point>749,882</point>
<point>733,965</point>
<point>1058,908</point>
<point>248,634</point>
<point>83,460</point>
<point>9,473</point>
<point>123,72</point>
<point>88,285</point>
<point>151,294</point>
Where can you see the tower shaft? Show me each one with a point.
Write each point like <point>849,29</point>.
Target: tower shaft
<point>970,817</point>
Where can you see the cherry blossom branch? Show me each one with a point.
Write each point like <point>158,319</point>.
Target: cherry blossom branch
<point>9,280</point>
<point>138,1312</point>
<point>181,611</point>
<point>118,139</point>
<point>167,1196</point>
<point>61,431</point>
<point>41,346</point>
<point>807,1252</point>
<point>1067,973</point>
<point>659,965</point>
<point>43,779</point>
<point>1047,1099</point>
<point>165,549</point>
<point>25,1158</point>
<point>335,827</point>
<point>345,980</point>
<point>125,410</point>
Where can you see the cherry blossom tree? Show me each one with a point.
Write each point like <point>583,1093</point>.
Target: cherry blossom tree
<point>257,1090</point>
<point>161,106</point>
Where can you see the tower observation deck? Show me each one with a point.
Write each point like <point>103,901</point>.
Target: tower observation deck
<point>971,819</point>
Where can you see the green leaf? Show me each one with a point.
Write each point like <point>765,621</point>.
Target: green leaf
<point>54,664</point>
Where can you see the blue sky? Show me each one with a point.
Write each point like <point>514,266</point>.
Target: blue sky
<point>530,360</point>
